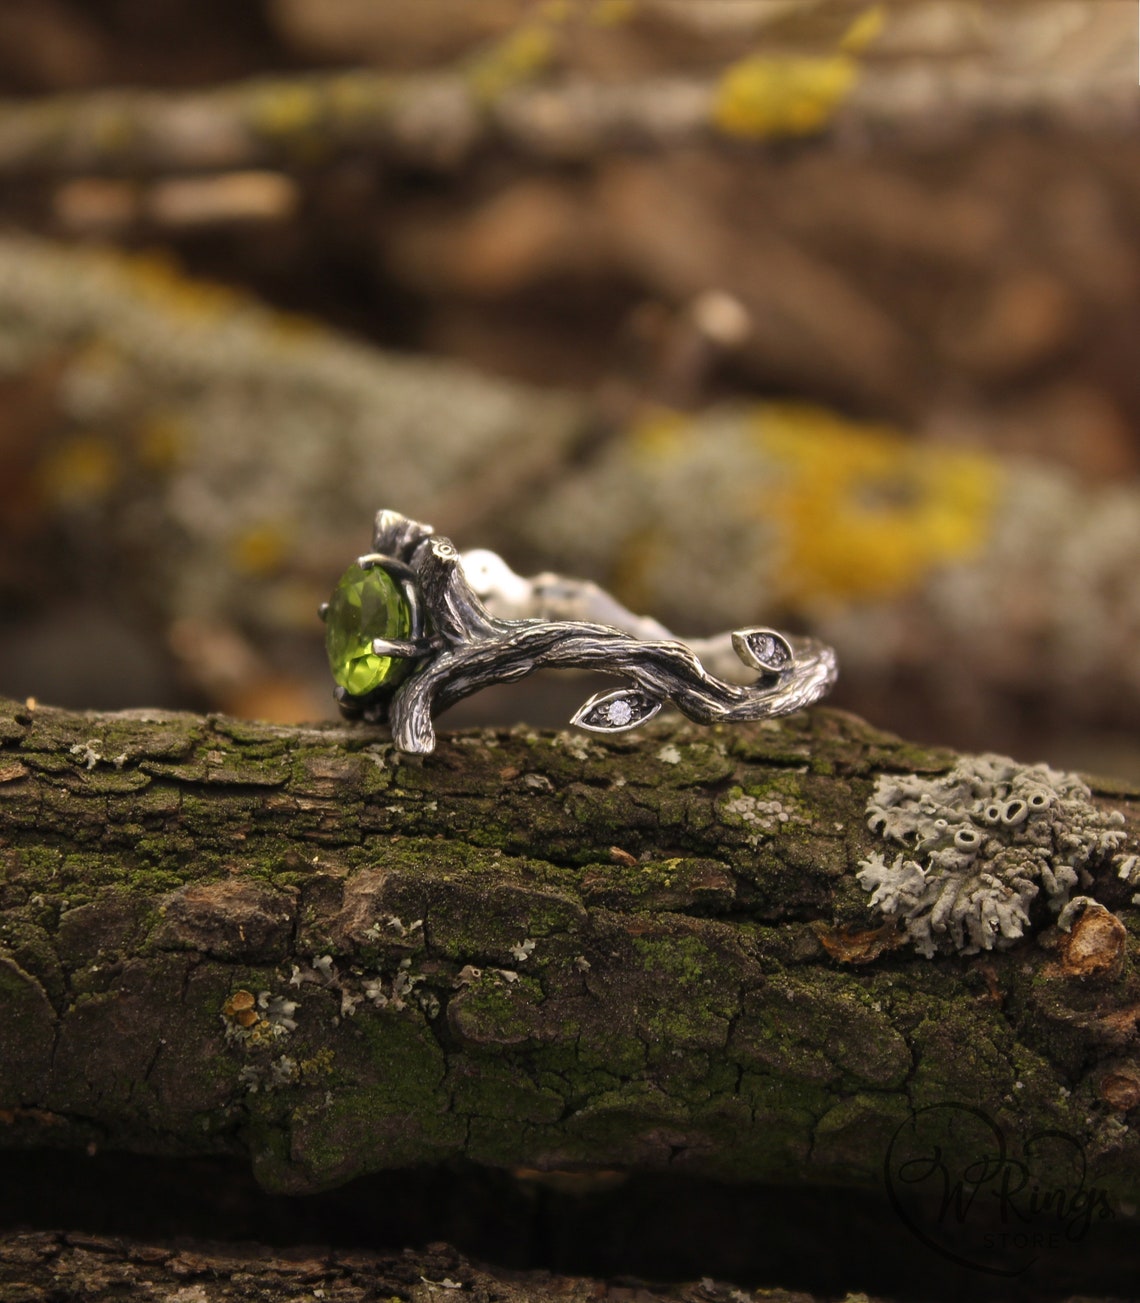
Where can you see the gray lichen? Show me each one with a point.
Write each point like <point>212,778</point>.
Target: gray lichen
<point>979,845</point>
<point>383,989</point>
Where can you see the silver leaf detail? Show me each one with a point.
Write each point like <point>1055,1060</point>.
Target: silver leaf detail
<point>614,712</point>
<point>763,649</point>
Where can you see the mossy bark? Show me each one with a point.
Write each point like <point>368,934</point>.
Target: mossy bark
<point>534,950</point>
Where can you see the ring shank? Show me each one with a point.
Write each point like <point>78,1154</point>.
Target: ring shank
<point>556,598</point>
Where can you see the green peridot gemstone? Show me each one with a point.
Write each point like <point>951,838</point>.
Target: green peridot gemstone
<point>366,604</point>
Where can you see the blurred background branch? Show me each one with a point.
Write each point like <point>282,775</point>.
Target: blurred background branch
<point>849,289</point>
<point>528,93</point>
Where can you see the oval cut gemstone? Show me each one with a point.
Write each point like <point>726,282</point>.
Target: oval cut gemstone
<point>366,604</point>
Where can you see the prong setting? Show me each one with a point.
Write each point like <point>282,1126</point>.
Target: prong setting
<point>404,648</point>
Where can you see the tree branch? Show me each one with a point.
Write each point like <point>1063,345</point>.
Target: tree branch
<point>649,952</point>
<point>441,118</point>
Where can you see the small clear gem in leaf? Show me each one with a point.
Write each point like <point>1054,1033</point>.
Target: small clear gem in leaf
<point>763,649</point>
<point>613,712</point>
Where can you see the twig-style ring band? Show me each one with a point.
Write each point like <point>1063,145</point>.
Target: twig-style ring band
<point>414,626</point>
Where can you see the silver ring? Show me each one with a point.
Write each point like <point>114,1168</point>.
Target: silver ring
<point>414,626</point>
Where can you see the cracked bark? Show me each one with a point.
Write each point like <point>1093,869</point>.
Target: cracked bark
<point>526,950</point>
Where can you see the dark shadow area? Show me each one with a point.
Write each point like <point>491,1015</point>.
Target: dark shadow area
<point>648,1227</point>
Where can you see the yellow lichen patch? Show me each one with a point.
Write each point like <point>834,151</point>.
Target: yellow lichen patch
<point>357,97</point>
<point>293,330</point>
<point>82,469</point>
<point>661,437</point>
<point>864,30</point>
<point>260,549</point>
<point>157,277</point>
<point>767,95</point>
<point>661,434</point>
<point>284,109</point>
<point>155,280</point>
<point>634,570</point>
<point>612,13</point>
<point>318,1067</point>
<point>112,127</point>
<point>161,440</point>
<point>861,511</point>
<point>520,56</point>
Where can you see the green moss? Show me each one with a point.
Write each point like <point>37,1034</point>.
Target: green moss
<point>31,948</point>
<point>692,764</point>
<point>855,1134</point>
<point>492,1011</point>
<point>15,721</point>
<point>963,1052</point>
<point>487,1088</point>
<point>389,1110</point>
<point>822,1028</point>
<point>267,1135</point>
<point>80,874</point>
<point>38,866</point>
<point>507,1142</point>
<point>102,782</point>
<point>622,1123</point>
<point>256,741</point>
<point>681,883</point>
<point>687,1027</point>
<point>49,762</point>
<point>682,958</point>
<point>785,784</point>
<point>478,914</point>
<point>613,1050</point>
<point>582,1065</point>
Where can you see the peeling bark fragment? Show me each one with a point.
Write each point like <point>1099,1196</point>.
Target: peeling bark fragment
<point>859,947</point>
<point>1094,946</point>
<point>227,919</point>
<point>1120,1087</point>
